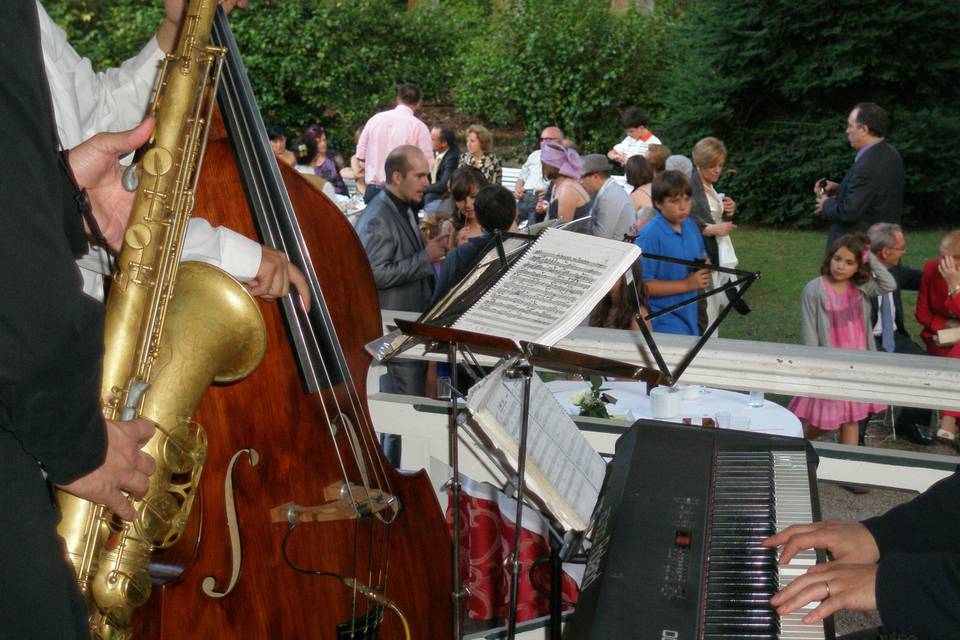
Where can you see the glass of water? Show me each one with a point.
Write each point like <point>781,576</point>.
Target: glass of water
<point>756,399</point>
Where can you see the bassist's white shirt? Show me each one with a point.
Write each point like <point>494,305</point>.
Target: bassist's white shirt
<point>86,102</point>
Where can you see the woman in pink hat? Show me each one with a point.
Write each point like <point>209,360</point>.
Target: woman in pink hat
<point>563,167</point>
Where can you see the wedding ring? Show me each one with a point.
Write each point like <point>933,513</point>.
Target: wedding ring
<point>827,585</point>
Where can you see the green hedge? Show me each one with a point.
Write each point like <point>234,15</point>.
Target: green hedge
<point>534,63</point>
<point>335,63</point>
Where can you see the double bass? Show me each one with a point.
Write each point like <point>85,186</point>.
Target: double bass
<point>301,529</point>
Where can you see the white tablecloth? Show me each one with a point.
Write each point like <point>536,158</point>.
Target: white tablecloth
<point>633,404</point>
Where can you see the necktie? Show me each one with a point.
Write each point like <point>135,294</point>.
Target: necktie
<point>886,324</point>
<point>436,166</point>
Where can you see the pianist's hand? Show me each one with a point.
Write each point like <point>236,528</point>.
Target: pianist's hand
<point>847,542</point>
<point>837,586</point>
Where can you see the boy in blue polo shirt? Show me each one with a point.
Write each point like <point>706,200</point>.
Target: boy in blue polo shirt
<point>671,233</point>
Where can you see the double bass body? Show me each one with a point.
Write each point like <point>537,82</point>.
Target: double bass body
<point>271,443</point>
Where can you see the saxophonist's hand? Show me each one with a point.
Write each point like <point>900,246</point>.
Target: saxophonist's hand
<point>125,468</point>
<point>95,165</point>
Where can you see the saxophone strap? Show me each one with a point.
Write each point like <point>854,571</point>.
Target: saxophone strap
<point>80,197</point>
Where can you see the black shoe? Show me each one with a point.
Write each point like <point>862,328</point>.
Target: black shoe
<point>915,433</point>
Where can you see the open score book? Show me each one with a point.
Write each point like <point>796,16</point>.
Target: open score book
<point>550,289</point>
<point>562,470</point>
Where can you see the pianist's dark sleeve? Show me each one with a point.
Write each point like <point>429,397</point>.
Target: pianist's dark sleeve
<point>918,577</point>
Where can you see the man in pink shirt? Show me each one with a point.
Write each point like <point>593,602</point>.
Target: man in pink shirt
<point>388,130</point>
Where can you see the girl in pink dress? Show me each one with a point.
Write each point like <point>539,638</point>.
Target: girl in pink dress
<point>835,311</point>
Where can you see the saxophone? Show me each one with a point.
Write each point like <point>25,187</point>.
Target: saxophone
<point>170,331</point>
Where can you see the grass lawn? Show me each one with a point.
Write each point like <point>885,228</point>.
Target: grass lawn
<point>787,260</point>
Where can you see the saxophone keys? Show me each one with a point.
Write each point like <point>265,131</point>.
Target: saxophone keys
<point>157,161</point>
<point>131,177</point>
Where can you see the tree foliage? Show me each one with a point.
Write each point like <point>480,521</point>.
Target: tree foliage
<point>568,63</point>
<point>776,79</point>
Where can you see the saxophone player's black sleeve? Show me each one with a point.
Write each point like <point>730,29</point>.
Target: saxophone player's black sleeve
<point>51,334</point>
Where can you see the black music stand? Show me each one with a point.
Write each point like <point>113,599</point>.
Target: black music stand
<point>528,355</point>
<point>738,287</point>
<point>434,328</point>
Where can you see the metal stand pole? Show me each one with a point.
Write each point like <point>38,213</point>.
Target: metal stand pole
<point>521,369</point>
<point>556,585</point>
<point>457,593</point>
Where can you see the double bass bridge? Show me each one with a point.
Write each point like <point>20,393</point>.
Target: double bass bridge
<point>343,501</point>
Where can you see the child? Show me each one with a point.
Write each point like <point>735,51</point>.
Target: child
<point>672,233</point>
<point>618,309</point>
<point>639,137</point>
<point>496,209</point>
<point>836,311</point>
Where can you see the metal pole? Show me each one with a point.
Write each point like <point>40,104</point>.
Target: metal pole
<point>521,369</point>
<point>556,584</point>
<point>457,593</point>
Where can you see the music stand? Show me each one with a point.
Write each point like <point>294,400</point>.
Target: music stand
<point>743,281</point>
<point>435,327</point>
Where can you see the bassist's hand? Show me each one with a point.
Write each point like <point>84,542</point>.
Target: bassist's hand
<point>275,275</point>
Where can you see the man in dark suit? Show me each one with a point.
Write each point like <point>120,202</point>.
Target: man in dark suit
<point>889,245</point>
<point>872,190</point>
<point>446,155</point>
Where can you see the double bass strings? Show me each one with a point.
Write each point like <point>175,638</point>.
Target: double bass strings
<point>235,88</point>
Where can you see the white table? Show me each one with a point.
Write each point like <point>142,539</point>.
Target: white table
<point>633,404</point>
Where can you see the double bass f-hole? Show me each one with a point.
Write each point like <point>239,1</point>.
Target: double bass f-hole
<point>233,527</point>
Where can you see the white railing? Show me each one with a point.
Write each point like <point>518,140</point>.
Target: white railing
<point>901,380</point>
<point>509,176</point>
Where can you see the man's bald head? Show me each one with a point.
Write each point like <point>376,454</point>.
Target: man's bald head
<point>551,134</point>
<point>407,173</point>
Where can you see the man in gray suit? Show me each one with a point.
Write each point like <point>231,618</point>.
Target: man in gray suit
<point>402,263</point>
<point>612,209</point>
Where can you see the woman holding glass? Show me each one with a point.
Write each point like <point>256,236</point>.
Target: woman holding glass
<point>938,308</point>
<point>709,210</point>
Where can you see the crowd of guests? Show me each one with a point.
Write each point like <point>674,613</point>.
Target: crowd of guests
<point>673,206</point>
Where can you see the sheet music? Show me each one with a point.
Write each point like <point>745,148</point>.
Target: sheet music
<point>510,246</point>
<point>551,288</point>
<point>562,468</point>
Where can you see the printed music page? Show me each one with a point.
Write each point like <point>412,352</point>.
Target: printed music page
<point>551,289</point>
<point>562,469</point>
